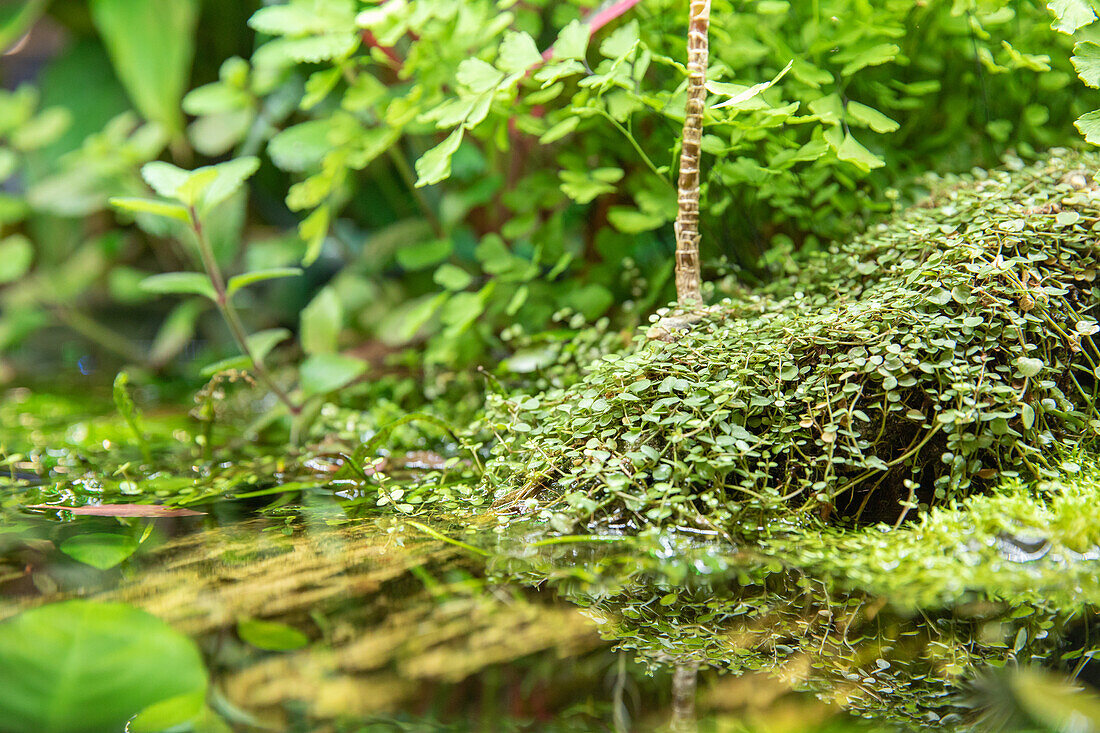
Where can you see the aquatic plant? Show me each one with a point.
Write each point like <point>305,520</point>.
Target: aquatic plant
<point>911,366</point>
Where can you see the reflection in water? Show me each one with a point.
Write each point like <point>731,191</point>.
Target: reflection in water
<point>415,623</point>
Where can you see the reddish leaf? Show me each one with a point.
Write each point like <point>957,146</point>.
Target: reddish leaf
<point>123,510</point>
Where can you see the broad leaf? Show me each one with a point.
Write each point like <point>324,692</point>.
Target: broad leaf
<point>100,550</point>
<point>85,667</point>
<point>324,373</point>
<point>250,278</point>
<point>151,45</point>
<point>180,283</point>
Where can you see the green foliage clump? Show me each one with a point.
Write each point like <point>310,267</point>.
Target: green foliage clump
<point>938,351</point>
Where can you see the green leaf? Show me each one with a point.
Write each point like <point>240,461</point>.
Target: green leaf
<point>270,635</point>
<point>583,188</point>
<point>572,42</point>
<point>191,191</point>
<point>851,151</point>
<point>321,322</point>
<point>435,165</point>
<point>621,42</point>
<point>419,255</point>
<point>874,56</point>
<point>301,147</point>
<point>233,363</point>
<point>518,53</point>
<point>1069,15</point>
<point>260,344</point>
<point>155,207</point>
<point>478,76</point>
<point>560,130</point>
<point>86,667</point>
<point>1086,59</point>
<point>180,283</point>
<point>743,96</point>
<point>170,714</point>
<point>101,551</point>
<point>633,221</point>
<point>290,20</point>
<point>1028,366</point>
<point>324,373</point>
<point>452,277</point>
<point>16,257</point>
<point>231,175</point>
<point>1088,125</point>
<point>151,45</point>
<point>164,178</point>
<point>870,117</point>
<point>250,278</point>
<point>47,126</point>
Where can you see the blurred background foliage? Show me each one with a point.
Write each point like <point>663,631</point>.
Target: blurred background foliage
<point>461,177</point>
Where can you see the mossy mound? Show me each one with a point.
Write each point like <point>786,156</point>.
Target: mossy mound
<point>909,367</point>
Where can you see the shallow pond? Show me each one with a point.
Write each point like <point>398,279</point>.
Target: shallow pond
<point>325,600</point>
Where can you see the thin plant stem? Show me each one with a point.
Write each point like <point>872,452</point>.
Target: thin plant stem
<point>229,313</point>
<point>407,176</point>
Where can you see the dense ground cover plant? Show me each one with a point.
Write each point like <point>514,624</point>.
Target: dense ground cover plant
<point>904,368</point>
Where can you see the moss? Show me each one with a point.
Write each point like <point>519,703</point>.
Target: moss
<point>910,367</point>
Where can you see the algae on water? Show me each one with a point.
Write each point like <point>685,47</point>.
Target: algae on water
<point>934,354</point>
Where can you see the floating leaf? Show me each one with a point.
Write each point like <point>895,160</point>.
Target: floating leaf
<point>121,510</point>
